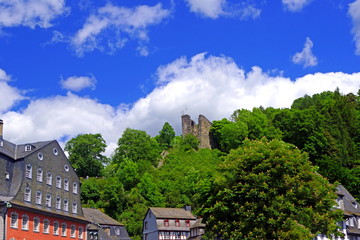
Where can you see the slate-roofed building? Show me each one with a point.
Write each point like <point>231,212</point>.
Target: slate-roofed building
<point>350,226</point>
<point>39,193</point>
<point>103,227</point>
<point>197,230</point>
<point>167,223</point>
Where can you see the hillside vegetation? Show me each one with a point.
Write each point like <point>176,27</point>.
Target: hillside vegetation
<point>266,158</point>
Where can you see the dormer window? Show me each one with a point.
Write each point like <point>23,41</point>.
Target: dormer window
<point>117,231</point>
<point>49,178</point>
<point>39,175</point>
<point>28,171</point>
<point>177,223</point>
<point>74,208</point>
<point>38,197</point>
<point>27,194</point>
<point>187,223</point>
<point>58,182</point>
<point>66,184</point>
<point>166,222</point>
<point>355,204</point>
<point>75,188</point>
<point>27,148</point>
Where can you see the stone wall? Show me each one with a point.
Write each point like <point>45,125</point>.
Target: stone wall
<point>200,130</point>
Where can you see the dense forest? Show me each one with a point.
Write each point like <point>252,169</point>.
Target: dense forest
<point>260,155</point>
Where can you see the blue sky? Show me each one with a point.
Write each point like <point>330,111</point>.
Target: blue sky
<point>71,67</point>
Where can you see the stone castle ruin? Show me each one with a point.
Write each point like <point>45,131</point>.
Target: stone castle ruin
<point>200,130</point>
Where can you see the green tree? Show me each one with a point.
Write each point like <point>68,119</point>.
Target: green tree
<point>270,190</point>
<point>166,136</point>
<point>138,146</point>
<point>85,154</point>
<point>189,142</point>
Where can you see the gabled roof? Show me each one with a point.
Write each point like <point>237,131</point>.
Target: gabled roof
<point>18,151</point>
<point>96,216</point>
<point>171,213</point>
<point>350,205</point>
<point>198,224</point>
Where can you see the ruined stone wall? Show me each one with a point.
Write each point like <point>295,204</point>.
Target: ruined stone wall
<point>200,130</point>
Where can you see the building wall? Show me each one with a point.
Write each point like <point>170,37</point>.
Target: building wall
<point>29,234</point>
<point>149,227</point>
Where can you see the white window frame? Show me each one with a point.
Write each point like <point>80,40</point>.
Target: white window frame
<point>63,229</point>
<point>58,203</point>
<point>73,231</point>
<point>46,227</point>
<point>74,208</point>
<point>117,231</point>
<point>75,188</point>
<point>58,182</point>
<point>66,205</point>
<point>49,179</point>
<point>27,194</point>
<point>38,197</point>
<point>39,175</point>
<point>14,220</point>
<point>28,171</point>
<point>27,148</point>
<point>48,200</point>
<point>66,184</point>
<point>25,222</point>
<point>36,226</point>
<point>56,228</point>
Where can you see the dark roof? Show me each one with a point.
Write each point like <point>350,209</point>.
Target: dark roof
<point>96,216</point>
<point>171,213</point>
<point>18,151</point>
<point>350,205</point>
<point>353,230</point>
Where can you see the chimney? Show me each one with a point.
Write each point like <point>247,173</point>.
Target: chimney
<point>187,208</point>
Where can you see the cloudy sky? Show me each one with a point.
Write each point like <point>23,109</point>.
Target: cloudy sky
<point>94,66</point>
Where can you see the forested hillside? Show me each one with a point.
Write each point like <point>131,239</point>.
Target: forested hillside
<point>318,133</point>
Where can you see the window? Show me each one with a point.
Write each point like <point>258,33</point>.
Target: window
<point>40,156</point>
<point>187,223</point>
<point>27,148</point>
<point>55,151</point>
<point>38,197</point>
<point>72,231</point>
<point>58,202</point>
<point>39,176</point>
<point>14,220</point>
<point>117,230</point>
<point>7,175</point>
<point>146,225</point>
<point>166,222</point>
<point>74,208</point>
<point>75,189</point>
<point>36,224</point>
<point>27,196</point>
<point>28,172</point>
<point>25,222</point>
<point>58,182</point>
<point>49,178</point>
<point>48,200</point>
<point>66,167</point>
<point>177,223</point>
<point>56,228</point>
<point>66,184</point>
<point>81,230</point>
<point>66,205</point>
<point>63,229</point>
<point>46,226</point>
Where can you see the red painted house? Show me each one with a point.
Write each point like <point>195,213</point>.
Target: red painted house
<point>39,193</point>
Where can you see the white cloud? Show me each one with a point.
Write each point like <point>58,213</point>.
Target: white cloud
<point>30,13</point>
<point>354,12</point>
<point>222,8</point>
<point>306,57</point>
<point>295,5</point>
<point>209,85</point>
<point>75,83</point>
<point>121,23</point>
<point>9,95</point>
